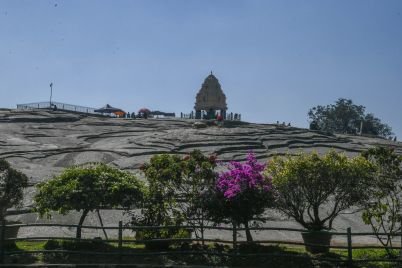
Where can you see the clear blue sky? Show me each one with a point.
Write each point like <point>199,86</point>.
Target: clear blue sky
<point>274,59</point>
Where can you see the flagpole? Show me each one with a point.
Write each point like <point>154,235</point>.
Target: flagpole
<point>51,93</point>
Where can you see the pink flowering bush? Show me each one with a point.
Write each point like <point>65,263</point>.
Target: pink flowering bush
<point>243,177</point>
<point>240,194</point>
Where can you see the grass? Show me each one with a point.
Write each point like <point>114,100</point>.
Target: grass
<point>276,256</point>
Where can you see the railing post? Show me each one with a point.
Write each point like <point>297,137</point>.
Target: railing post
<point>400,250</point>
<point>79,231</point>
<point>120,239</point>
<point>350,253</point>
<point>2,240</point>
<point>202,229</point>
<point>234,237</point>
<point>120,234</point>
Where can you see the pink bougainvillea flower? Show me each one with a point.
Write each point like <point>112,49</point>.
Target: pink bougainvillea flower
<point>243,177</point>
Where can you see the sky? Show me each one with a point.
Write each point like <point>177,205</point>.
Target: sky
<point>274,59</point>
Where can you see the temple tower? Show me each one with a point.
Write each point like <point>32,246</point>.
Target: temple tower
<point>210,99</point>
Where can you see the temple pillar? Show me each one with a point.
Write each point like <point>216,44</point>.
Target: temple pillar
<point>223,114</point>
<point>198,114</point>
<point>211,114</point>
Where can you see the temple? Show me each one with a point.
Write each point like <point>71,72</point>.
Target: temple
<point>210,100</point>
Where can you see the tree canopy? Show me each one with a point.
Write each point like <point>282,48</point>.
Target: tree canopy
<point>87,188</point>
<point>175,185</point>
<point>382,210</point>
<point>346,117</point>
<point>240,194</point>
<point>12,183</point>
<point>314,189</point>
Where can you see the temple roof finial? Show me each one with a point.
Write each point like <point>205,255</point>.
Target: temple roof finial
<point>211,72</point>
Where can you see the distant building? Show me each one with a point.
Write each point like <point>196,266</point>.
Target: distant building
<point>210,99</point>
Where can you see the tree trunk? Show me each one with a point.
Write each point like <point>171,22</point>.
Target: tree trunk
<point>101,222</point>
<point>248,233</point>
<point>84,214</point>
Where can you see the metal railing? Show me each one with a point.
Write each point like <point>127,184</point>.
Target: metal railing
<point>234,242</point>
<point>57,106</point>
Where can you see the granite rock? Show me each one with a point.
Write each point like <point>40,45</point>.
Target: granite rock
<point>42,143</point>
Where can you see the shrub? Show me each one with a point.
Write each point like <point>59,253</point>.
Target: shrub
<point>314,189</point>
<point>175,185</point>
<point>95,244</point>
<point>382,211</point>
<point>165,233</point>
<point>240,194</point>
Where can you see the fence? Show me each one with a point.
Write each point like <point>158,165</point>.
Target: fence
<point>58,106</point>
<point>234,243</point>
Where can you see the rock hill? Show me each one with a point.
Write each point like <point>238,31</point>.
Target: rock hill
<point>42,143</point>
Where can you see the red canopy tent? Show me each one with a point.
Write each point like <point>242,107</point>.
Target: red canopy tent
<point>144,112</point>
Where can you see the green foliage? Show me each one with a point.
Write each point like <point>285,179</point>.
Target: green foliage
<point>373,126</point>
<point>165,233</point>
<point>95,244</point>
<point>175,185</point>
<point>198,175</point>
<point>87,188</point>
<point>345,117</point>
<point>12,184</point>
<point>314,189</point>
<point>241,210</point>
<point>382,211</point>
<point>238,211</point>
<point>159,209</point>
<point>208,255</point>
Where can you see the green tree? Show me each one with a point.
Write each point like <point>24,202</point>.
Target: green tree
<point>373,126</point>
<point>346,117</point>
<point>162,173</point>
<point>176,184</point>
<point>87,188</point>
<point>314,189</point>
<point>382,211</point>
<point>198,174</point>
<point>12,184</point>
<point>240,194</point>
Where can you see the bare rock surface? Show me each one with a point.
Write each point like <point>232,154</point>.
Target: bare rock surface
<point>42,143</point>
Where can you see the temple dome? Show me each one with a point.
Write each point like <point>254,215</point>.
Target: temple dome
<point>210,96</point>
